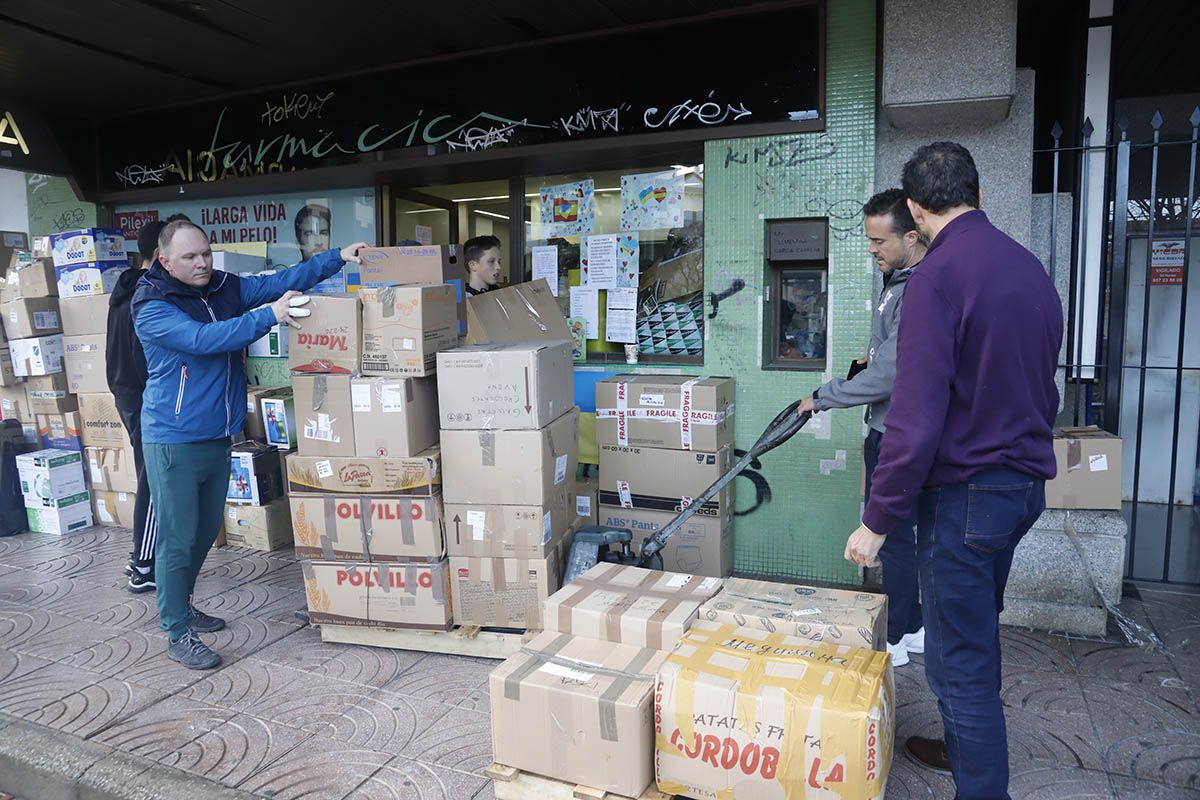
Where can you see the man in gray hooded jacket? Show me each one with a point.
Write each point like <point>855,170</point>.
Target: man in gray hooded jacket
<point>897,248</point>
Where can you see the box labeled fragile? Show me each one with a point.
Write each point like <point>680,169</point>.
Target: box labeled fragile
<point>671,411</point>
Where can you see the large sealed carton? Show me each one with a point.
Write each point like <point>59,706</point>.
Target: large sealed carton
<point>378,595</point>
<point>102,425</point>
<point>85,245</point>
<point>253,427</point>
<point>394,415</point>
<point>111,469</point>
<point>331,339</point>
<point>480,530</point>
<point>324,417</point>
<point>361,528</point>
<point>1089,470</point>
<point>511,467</point>
<point>29,277</point>
<point>267,527</point>
<point>525,385</point>
<point>40,356</point>
<point>113,508</point>
<point>384,266</point>
<point>659,479</point>
<point>84,316</point>
<point>48,476</point>
<point>671,411</point>
<point>84,360</point>
<point>70,515</point>
<point>813,720</point>
<point>629,605</point>
<point>416,475</point>
<point>254,474</point>
<point>51,394</point>
<point>525,312</point>
<point>14,403</point>
<point>834,616</point>
<point>61,431</point>
<point>30,317</point>
<point>703,546</point>
<point>577,710</point>
<point>404,327</point>
<point>503,592</point>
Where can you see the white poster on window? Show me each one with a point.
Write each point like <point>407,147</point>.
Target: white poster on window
<point>585,304</point>
<point>621,321</point>
<point>545,265</point>
<point>600,269</point>
<point>424,234</point>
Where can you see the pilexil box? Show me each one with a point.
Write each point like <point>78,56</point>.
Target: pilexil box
<point>102,426</point>
<point>670,411</point>
<point>703,546</point>
<point>331,339</point>
<point>823,726</point>
<point>579,711</point>
<point>114,508</point>
<point>503,592</point>
<point>86,245</point>
<point>858,619</point>
<point>70,515</point>
<point>404,327</point>
<point>267,527</point>
<point>40,356</point>
<point>511,467</point>
<point>254,475</point>
<point>253,427</point>
<point>505,386</point>
<point>415,596</point>
<point>84,360</point>
<point>51,394</point>
<point>30,317</point>
<point>394,416</point>
<point>658,479</point>
<point>498,531</point>
<point>416,475</point>
<point>84,316</point>
<point>324,416</point>
<point>1089,470</point>
<point>49,476</point>
<point>111,469</point>
<point>61,431</point>
<point>362,528</point>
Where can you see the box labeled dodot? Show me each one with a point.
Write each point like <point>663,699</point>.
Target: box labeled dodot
<point>394,415</point>
<point>95,278</point>
<point>361,528</point>
<point>404,327</point>
<point>84,361</point>
<point>324,416</point>
<point>1089,469</point>
<point>703,546</point>
<point>39,356</point>
<point>416,475</point>
<point>671,411</point>
<point>502,592</point>
<point>524,385</point>
<point>48,476</point>
<point>378,595</point>
<point>331,339</point>
<point>86,245</point>
<point>70,515</point>
<point>102,425</point>
<point>113,508</point>
<point>31,316</point>
<point>267,527</point>
<point>51,394</point>
<point>254,475</point>
<point>497,531</point>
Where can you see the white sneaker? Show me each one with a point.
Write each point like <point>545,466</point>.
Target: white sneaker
<point>899,653</point>
<point>914,642</point>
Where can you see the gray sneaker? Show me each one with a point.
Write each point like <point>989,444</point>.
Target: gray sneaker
<point>192,653</point>
<point>200,622</point>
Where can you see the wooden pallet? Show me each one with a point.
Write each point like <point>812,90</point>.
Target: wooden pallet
<point>468,640</point>
<point>510,783</point>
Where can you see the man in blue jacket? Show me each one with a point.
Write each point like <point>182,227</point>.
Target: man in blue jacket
<point>193,324</point>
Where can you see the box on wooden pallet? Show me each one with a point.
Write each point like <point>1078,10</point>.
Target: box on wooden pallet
<point>324,417</point>
<point>254,474</point>
<point>114,508</point>
<point>111,469</point>
<point>331,339</point>
<point>102,425</point>
<point>40,356</point>
<point>49,476</point>
<point>394,415</point>
<point>1089,470</point>
<point>417,475</point>
<point>253,427</point>
<point>524,385</point>
<point>61,431</point>
<point>703,546</point>
<point>670,411</point>
<point>361,528</point>
<point>267,527</point>
<point>404,327</point>
<point>496,531</point>
<point>84,361</point>
<point>70,515</point>
<point>51,394</point>
<point>378,595</point>
<point>30,317</point>
<point>503,592</point>
<point>84,316</point>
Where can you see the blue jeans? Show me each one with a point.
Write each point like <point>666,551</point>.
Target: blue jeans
<point>966,536</point>
<point>899,557</point>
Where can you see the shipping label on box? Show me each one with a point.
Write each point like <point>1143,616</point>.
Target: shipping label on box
<point>511,467</point>
<point>254,474</point>
<point>71,515</point>
<point>606,690</point>
<point>51,394</point>
<point>824,721</point>
<point>663,480</point>
<point>253,427</point>
<point>502,592</point>
<point>102,425</point>
<point>587,502</point>
<point>394,415</point>
<point>703,546</point>
<point>40,356</point>
<point>94,279</point>
<point>416,475</point>
<point>674,412</point>
<point>48,476</point>
<point>279,422</point>
<point>88,245</point>
<point>61,431</point>
<point>84,316</point>
<point>331,339</point>
<point>114,508</point>
<point>373,529</point>
<point>30,317</point>
<point>273,345</point>
<point>404,327</point>
<point>525,312</point>
<point>1089,470</point>
<point>629,605</point>
<point>84,359</point>
<point>510,386</point>
<point>858,619</point>
<point>267,527</point>
<point>325,419</point>
<point>111,469</point>
<point>413,596</point>
<point>508,531</point>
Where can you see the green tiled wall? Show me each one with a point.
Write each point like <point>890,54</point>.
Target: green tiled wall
<point>815,480</point>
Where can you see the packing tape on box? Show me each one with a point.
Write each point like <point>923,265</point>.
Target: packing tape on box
<point>1074,455</point>
<point>499,582</point>
<point>487,448</point>
<point>585,586</point>
<point>364,526</point>
<point>320,390</point>
<point>387,301</point>
<point>329,504</point>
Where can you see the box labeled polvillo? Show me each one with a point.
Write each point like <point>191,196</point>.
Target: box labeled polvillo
<point>254,474</point>
<point>703,546</point>
<point>48,476</point>
<point>497,531</point>
<point>39,356</point>
<point>380,595</point>
<point>30,317</point>
<point>85,364</point>
<point>669,411</point>
<point>1089,470</point>
<point>331,339</point>
<point>394,415</point>
<point>404,327</point>
<point>266,527</point>
<point>505,386</point>
<point>416,475</point>
<point>71,514</point>
<point>363,528</point>
<point>324,417</point>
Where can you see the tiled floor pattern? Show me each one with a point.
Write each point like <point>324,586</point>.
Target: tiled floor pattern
<point>290,717</point>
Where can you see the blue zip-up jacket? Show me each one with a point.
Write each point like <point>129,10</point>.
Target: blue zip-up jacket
<point>193,338</point>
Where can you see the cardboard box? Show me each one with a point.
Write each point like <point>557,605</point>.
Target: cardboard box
<point>385,266</point>
<point>254,476</point>
<point>29,277</point>
<point>273,345</point>
<point>324,418</point>
<point>84,316</point>
<point>525,312</point>
<point>703,546</point>
<point>668,411</point>
<point>61,431</point>
<point>511,468</point>
<point>359,528</point>
<point>85,364</point>
<point>40,356</point>
<point>378,595</point>
<point>1089,470</point>
<point>417,475</point>
<point>50,394</point>
<point>14,403</point>
<point>404,327</point>
<point>111,469</point>
<point>73,514</point>
<point>48,476</point>
<point>279,422</point>
<point>7,376</point>
<point>579,711</point>
<point>95,278</point>
<point>114,508</point>
<point>253,426</point>
<point>30,317</point>
<point>503,592</point>
<point>331,339</point>
<point>505,386</point>
<point>857,619</point>
<point>102,425</point>
<point>267,527</point>
<point>508,531</point>
<point>393,415</point>
<point>824,717</point>
<point>88,245</point>
<point>664,480</point>
<point>629,605</point>
<point>238,263</point>
<point>587,502</point>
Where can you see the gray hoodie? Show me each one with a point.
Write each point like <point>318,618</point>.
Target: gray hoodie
<point>873,386</point>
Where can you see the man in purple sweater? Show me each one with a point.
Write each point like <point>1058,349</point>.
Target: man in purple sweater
<point>969,444</point>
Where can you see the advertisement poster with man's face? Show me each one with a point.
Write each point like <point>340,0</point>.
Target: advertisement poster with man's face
<point>295,227</point>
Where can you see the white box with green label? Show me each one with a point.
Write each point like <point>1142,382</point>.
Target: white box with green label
<point>273,345</point>
<point>71,514</point>
<point>50,476</point>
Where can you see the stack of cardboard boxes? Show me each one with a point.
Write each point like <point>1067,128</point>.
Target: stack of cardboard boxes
<point>55,491</point>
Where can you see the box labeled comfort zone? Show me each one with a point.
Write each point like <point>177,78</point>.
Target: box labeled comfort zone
<point>578,710</point>
<point>503,592</point>
<point>508,531</point>
<point>834,616</point>
<point>102,426</point>
<point>404,327</point>
<point>385,266</point>
<point>416,475</point>
<point>378,595</point>
<point>670,411</point>
<point>31,316</point>
<point>394,416</point>
<point>324,417</point>
<point>50,394</point>
<point>703,546</point>
<point>40,356</point>
<point>84,361</point>
<point>265,528</point>
<point>1089,469</point>
<point>523,385</point>
<point>114,508</point>
<point>331,339</point>
<point>363,528</point>
<point>111,469</point>
<point>84,316</point>
<point>823,726</point>
<point>650,477</point>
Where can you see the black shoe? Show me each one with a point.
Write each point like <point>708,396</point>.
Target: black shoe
<point>193,653</point>
<point>200,622</point>
<point>129,567</point>
<point>140,582</point>
<point>929,753</point>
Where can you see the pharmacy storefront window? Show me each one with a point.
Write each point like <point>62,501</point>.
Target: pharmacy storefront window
<point>624,252</point>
